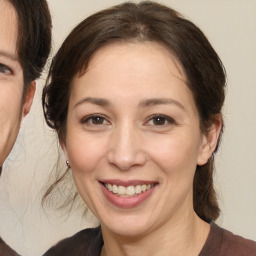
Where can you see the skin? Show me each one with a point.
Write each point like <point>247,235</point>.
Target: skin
<point>13,108</point>
<point>145,127</point>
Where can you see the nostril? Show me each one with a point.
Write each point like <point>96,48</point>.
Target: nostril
<point>124,162</point>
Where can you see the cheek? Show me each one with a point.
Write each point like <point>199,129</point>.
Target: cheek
<point>10,107</point>
<point>10,118</point>
<point>176,156</point>
<point>83,152</point>
<point>13,95</point>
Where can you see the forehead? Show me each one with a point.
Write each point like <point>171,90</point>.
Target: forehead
<point>8,29</point>
<point>130,49</point>
<point>135,69</point>
<point>131,62</point>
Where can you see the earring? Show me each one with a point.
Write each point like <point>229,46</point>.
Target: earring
<point>68,164</point>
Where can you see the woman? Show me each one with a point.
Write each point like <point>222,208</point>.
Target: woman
<point>135,94</point>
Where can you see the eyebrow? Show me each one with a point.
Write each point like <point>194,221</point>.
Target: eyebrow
<point>9,55</point>
<point>145,103</point>
<point>95,101</point>
<point>161,101</point>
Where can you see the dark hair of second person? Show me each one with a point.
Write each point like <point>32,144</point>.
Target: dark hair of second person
<point>34,37</point>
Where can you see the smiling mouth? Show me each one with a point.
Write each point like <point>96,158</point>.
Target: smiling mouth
<point>129,191</point>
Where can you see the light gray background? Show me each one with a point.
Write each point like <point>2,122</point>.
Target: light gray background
<point>230,26</point>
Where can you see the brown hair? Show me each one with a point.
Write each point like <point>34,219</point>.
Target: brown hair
<point>145,21</point>
<point>34,37</point>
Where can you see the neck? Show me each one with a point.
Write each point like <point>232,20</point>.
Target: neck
<point>183,237</point>
<point>0,170</point>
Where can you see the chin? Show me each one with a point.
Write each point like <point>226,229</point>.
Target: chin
<point>128,226</point>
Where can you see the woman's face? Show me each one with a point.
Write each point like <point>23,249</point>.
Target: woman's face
<point>133,138</point>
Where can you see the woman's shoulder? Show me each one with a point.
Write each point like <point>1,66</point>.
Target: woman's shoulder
<point>237,245</point>
<point>86,242</point>
<point>222,242</point>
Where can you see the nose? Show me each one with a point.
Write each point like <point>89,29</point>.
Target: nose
<point>126,148</point>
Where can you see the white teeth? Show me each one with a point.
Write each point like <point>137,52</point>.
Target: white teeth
<point>138,189</point>
<point>109,187</point>
<point>144,188</point>
<point>115,189</point>
<point>121,190</point>
<point>128,191</point>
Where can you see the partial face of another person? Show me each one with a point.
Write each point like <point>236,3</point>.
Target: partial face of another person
<point>12,106</point>
<point>133,138</point>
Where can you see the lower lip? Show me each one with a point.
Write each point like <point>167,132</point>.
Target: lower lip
<point>127,202</point>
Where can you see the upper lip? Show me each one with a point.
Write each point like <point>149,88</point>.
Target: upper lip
<point>127,183</point>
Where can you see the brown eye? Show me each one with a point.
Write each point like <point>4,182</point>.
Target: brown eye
<point>97,120</point>
<point>159,120</point>
<point>94,120</point>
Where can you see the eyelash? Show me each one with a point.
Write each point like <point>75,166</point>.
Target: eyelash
<point>162,118</point>
<point>89,119</point>
<point>5,70</point>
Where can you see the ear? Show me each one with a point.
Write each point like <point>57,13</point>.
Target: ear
<point>209,141</point>
<point>29,99</point>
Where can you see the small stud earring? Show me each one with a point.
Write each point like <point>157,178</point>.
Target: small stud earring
<point>68,164</point>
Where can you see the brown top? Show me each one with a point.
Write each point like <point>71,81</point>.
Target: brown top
<point>220,242</point>
<point>87,242</point>
<point>5,250</point>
